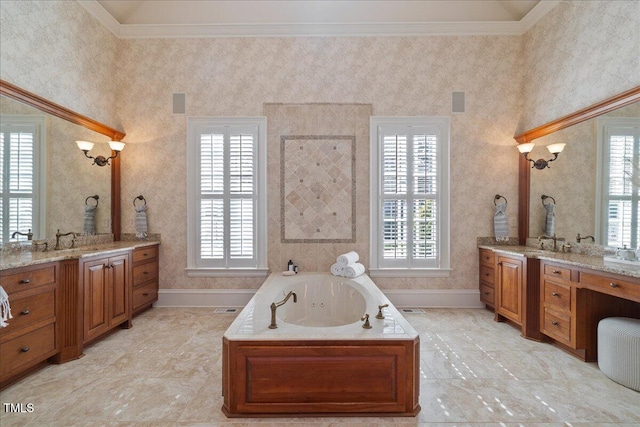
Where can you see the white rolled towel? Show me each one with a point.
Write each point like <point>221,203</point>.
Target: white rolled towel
<point>337,270</point>
<point>354,270</point>
<point>348,258</point>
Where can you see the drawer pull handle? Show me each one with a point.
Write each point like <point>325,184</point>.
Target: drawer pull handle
<point>145,272</point>
<point>145,295</point>
<point>555,294</point>
<point>554,323</point>
<point>486,274</point>
<point>486,293</point>
<point>24,349</point>
<point>614,285</point>
<point>556,272</point>
<point>25,312</point>
<point>25,281</point>
<point>145,254</point>
<point>500,263</point>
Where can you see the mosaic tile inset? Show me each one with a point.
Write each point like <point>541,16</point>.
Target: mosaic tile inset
<point>318,188</point>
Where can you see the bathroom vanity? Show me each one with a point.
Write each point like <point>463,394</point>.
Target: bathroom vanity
<point>574,292</point>
<point>64,300</point>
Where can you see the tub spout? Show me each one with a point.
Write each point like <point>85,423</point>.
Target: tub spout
<point>275,305</point>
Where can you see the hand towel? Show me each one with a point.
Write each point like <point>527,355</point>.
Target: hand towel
<point>354,270</point>
<point>141,221</point>
<point>5,308</point>
<point>348,258</point>
<point>90,219</point>
<point>550,221</point>
<point>337,270</point>
<point>500,223</point>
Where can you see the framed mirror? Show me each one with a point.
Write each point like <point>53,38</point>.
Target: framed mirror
<point>575,181</point>
<point>65,181</point>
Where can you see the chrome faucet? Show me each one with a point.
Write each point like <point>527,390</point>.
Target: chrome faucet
<point>554,238</point>
<point>579,237</point>
<point>29,234</point>
<point>59,235</point>
<point>275,305</point>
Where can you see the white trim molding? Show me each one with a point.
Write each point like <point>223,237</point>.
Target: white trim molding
<point>355,29</point>
<point>401,298</point>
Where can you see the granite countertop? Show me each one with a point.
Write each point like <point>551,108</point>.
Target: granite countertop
<point>28,258</point>
<point>578,260</point>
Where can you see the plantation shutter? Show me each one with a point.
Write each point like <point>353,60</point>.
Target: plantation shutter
<point>409,196</point>
<point>18,149</point>
<point>228,196</point>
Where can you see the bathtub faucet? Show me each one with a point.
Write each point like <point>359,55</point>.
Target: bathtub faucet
<point>275,305</point>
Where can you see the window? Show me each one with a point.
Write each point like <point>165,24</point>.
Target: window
<point>226,197</point>
<point>409,196</point>
<point>619,195</point>
<point>21,169</point>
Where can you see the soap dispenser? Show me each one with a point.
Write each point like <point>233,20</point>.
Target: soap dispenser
<point>290,266</point>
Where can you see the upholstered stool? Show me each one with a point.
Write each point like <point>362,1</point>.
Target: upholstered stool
<point>619,350</point>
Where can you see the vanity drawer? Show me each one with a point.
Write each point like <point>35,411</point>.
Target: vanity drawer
<point>27,349</point>
<point>487,275</point>
<point>143,254</point>
<point>557,296</point>
<point>557,326</point>
<point>557,272</point>
<point>487,258</point>
<point>487,294</point>
<point>143,295</point>
<point>145,272</point>
<point>611,286</point>
<point>30,310</point>
<point>29,278</point>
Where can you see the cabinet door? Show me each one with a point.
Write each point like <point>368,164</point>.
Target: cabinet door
<point>119,310</point>
<point>96,298</point>
<point>509,292</point>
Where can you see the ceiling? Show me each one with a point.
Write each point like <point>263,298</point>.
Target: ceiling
<point>184,12</point>
<point>277,18</point>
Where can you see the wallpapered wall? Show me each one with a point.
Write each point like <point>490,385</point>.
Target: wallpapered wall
<point>129,83</point>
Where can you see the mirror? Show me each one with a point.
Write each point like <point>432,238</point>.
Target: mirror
<point>572,178</point>
<point>70,179</point>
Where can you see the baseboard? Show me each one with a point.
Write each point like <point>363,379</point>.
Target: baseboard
<point>402,298</point>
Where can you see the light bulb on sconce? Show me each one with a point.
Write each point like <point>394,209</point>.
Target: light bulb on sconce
<point>554,149</point>
<point>86,146</point>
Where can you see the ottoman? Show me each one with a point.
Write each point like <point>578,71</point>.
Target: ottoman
<point>619,350</point>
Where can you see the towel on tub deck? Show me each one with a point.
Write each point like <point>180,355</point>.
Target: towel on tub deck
<point>501,223</point>
<point>348,258</point>
<point>550,220</point>
<point>90,219</point>
<point>5,308</point>
<point>354,270</point>
<point>337,270</point>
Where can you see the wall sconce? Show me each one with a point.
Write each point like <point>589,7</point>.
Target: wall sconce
<point>554,149</point>
<point>86,146</point>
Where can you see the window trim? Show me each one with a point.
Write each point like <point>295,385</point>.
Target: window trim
<point>602,172</point>
<point>444,196</point>
<point>193,215</point>
<point>40,169</point>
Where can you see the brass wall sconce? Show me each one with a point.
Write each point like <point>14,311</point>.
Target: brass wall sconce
<point>86,146</point>
<point>554,149</point>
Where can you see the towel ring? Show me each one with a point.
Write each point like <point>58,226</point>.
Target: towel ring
<point>140,197</point>
<point>498,197</point>
<point>547,197</point>
<point>86,201</point>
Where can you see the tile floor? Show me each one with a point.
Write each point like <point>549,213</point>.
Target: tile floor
<point>165,371</point>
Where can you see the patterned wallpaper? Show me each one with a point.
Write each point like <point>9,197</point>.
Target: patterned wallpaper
<point>511,83</point>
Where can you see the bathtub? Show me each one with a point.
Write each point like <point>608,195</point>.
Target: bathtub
<point>319,360</point>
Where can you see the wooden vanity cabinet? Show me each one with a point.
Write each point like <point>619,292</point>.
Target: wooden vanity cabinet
<point>487,277</point>
<point>105,285</point>
<point>31,336</point>
<point>559,304</point>
<point>145,278</point>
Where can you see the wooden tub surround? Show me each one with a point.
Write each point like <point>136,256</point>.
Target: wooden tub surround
<point>319,371</point>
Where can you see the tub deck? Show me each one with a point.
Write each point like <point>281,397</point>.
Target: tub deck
<point>320,371</point>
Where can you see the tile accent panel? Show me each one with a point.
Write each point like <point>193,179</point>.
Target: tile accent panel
<point>318,189</point>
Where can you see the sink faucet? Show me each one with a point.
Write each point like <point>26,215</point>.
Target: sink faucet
<point>579,237</point>
<point>59,235</point>
<point>29,234</point>
<point>554,238</point>
<point>275,305</point>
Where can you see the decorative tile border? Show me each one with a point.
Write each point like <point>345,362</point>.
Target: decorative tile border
<point>303,191</point>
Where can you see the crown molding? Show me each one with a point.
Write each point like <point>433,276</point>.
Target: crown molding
<point>142,31</point>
